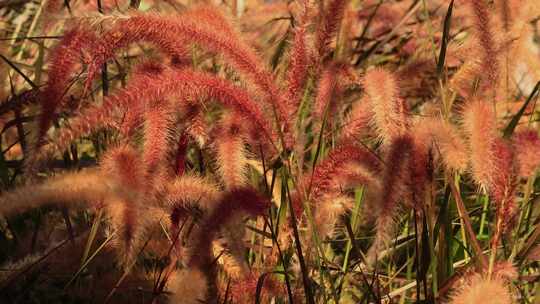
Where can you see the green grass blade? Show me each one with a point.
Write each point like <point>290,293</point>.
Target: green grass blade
<point>509,130</point>
<point>445,39</point>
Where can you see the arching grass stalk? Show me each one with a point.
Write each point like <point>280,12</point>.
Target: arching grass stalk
<point>480,258</point>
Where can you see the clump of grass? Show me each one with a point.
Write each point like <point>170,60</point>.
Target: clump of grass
<point>324,152</point>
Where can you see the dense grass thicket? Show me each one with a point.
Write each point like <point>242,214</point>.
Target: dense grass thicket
<point>235,151</point>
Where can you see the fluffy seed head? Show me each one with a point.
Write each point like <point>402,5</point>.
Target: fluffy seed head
<point>89,187</point>
<point>480,127</point>
<point>233,203</point>
<point>328,26</point>
<point>123,164</point>
<point>158,130</point>
<point>127,223</point>
<point>503,187</point>
<point>160,87</point>
<point>479,290</point>
<point>298,70</point>
<point>62,63</point>
<point>231,152</point>
<point>357,121</point>
<point>445,138</point>
<point>188,286</point>
<point>393,186</point>
<point>334,164</point>
<point>243,290</point>
<point>188,191</point>
<point>483,30</point>
<point>390,113</point>
<point>527,143</point>
<point>327,213</point>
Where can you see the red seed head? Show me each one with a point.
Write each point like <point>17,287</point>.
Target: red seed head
<point>527,143</point>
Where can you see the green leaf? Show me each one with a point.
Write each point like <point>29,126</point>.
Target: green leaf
<point>445,38</point>
<point>509,130</point>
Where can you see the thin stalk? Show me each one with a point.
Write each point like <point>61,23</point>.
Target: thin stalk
<point>305,277</point>
<point>91,236</point>
<point>483,221</point>
<point>282,260</point>
<point>356,211</point>
<point>480,258</point>
<point>524,215</point>
<point>83,266</point>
